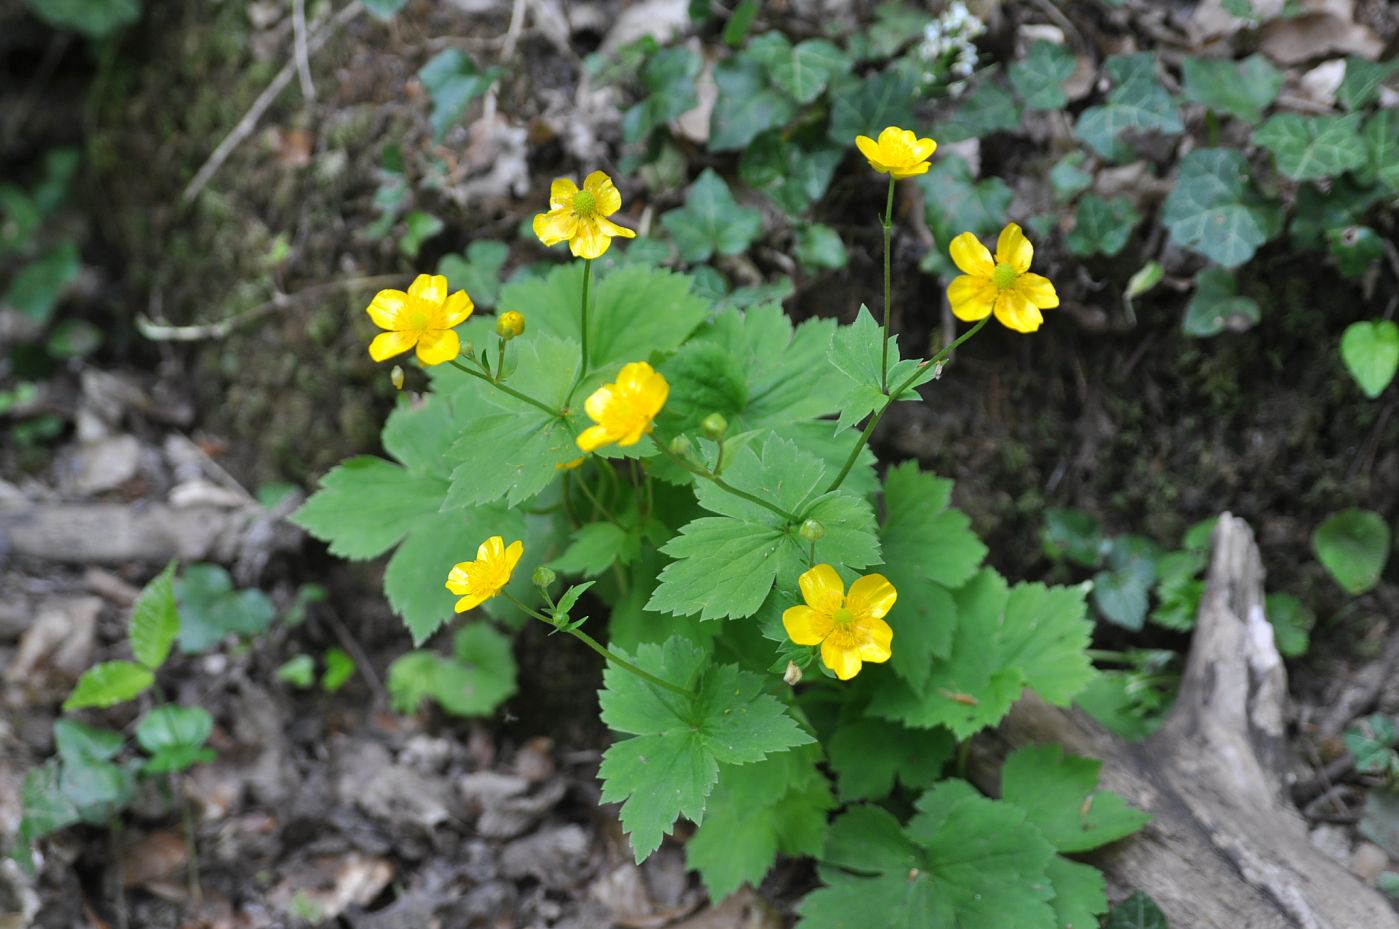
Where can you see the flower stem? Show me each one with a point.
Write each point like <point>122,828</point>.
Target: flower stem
<point>592,498</point>
<point>884,343</point>
<point>601,649</point>
<point>582,362</point>
<point>894,395</point>
<point>723,484</point>
<point>509,390</point>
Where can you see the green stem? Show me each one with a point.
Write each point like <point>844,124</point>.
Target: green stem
<point>500,363</point>
<point>894,395</point>
<point>592,498</point>
<point>509,390</point>
<point>583,362</point>
<point>884,343</point>
<point>602,650</point>
<point>723,484</point>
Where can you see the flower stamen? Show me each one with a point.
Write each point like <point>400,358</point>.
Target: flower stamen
<point>584,204</point>
<point>1004,276</point>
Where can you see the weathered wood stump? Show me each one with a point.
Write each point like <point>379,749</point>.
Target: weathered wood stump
<point>1225,848</point>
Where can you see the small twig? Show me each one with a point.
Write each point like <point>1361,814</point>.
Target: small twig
<point>249,122</point>
<point>350,644</point>
<point>512,32</point>
<point>303,58</point>
<point>160,332</point>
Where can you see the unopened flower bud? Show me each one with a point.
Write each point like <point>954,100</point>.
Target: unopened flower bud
<point>468,350</point>
<point>813,531</point>
<point>680,445</point>
<point>544,577</point>
<point>510,324</point>
<point>792,675</point>
<point>396,376</point>
<point>715,426</point>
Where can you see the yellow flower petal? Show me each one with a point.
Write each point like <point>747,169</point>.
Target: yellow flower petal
<point>923,149</point>
<point>870,149</point>
<point>593,438</point>
<point>459,578</point>
<point>493,549</point>
<point>971,256</point>
<point>556,226</point>
<point>454,312</point>
<point>385,308</point>
<point>388,344</point>
<point>806,626</point>
<point>871,596</point>
<point>598,401</point>
<point>513,553</point>
<point>840,656</point>
<point>429,288</point>
<point>610,228</point>
<point>971,297</point>
<point>438,346</point>
<point>589,240</point>
<point>1012,248</point>
<point>471,602</point>
<point>1015,311</point>
<point>822,588</point>
<point>1038,290</point>
<point>606,194</point>
<point>561,193</point>
<point>911,171</point>
<point>876,640</point>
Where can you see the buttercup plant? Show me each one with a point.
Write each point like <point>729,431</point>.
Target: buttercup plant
<point>771,600</point>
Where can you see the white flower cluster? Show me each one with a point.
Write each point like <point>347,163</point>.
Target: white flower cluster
<point>947,51</point>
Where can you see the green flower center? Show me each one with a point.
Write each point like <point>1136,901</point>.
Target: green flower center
<point>843,618</point>
<point>584,203</point>
<point>418,317</point>
<point>1005,276</point>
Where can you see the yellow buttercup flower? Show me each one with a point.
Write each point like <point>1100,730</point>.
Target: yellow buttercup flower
<point>849,627</point>
<point>510,324</point>
<point>424,316</point>
<point>1004,286</point>
<point>580,216</point>
<point>898,152</point>
<point>480,580</point>
<point>625,411</point>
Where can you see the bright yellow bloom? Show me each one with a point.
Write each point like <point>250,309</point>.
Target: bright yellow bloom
<point>580,216</point>
<point>625,411</point>
<point>424,316</point>
<point>850,628</point>
<point>898,152</point>
<point>1004,286</point>
<point>510,324</point>
<point>480,580</point>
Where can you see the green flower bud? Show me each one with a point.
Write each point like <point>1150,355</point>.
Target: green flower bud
<point>813,531</point>
<point>544,577</point>
<point>715,426</point>
<point>680,445</point>
<point>468,350</point>
<point>396,376</point>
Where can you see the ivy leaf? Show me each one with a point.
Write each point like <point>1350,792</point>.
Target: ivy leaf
<point>1241,89</point>
<point>868,754</point>
<point>1217,307</point>
<point>820,247</point>
<point>1138,103</point>
<point>477,271</point>
<point>1371,741</point>
<point>35,290</point>
<point>988,108</point>
<point>955,203</point>
<point>108,684</point>
<point>1381,134</point>
<point>154,620</point>
<point>1122,591</point>
<point>669,83</point>
<point>174,737</point>
<point>1370,351</point>
<point>671,764</point>
<point>711,221</point>
<point>807,68</point>
<point>1313,147</point>
<point>1292,623</point>
<point>746,106</point>
<point>1068,178</point>
<point>1361,85</point>
<point>452,81</point>
<point>1353,545</point>
<point>757,811</point>
<point>1060,798</point>
<point>864,107</point>
<point>1215,212</point>
<point>211,609</point>
<point>1039,77</point>
<point>1102,227</point>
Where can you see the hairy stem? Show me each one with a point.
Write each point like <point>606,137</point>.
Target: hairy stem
<point>507,389</point>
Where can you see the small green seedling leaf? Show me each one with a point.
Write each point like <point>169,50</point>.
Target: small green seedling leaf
<point>108,684</point>
<point>1039,77</point>
<point>174,737</point>
<point>1354,546</point>
<point>1371,741</point>
<point>711,221</point>
<point>298,672</point>
<point>1102,226</point>
<point>76,741</point>
<point>1370,351</point>
<point>452,81</point>
<point>155,621</point>
<point>95,19</point>
<point>1217,306</point>
<point>1292,623</point>
<point>477,272</point>
<point>384,10</point>
<point>339,668</point>
<point>1215,211</point>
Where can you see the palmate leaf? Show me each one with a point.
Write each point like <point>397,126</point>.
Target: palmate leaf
<point>671,764</point>
<point>1060,796</point>
<point>1214,210</point>
<point>856,352</point>
<point>807,68</point>
<point>989,108</point>
<point>711,221</point>
<point>669,82</point>
<point>757,811</point>
<point>1313,147</point>
<point>725,565</point>
<point>868,754</point>
<point>1006,639</point>
<point>865,107</point>
<point>1102,227</point>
